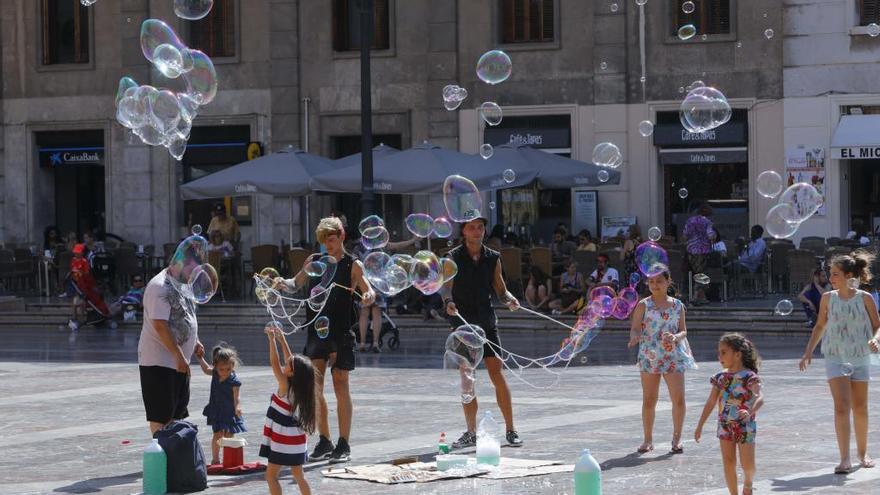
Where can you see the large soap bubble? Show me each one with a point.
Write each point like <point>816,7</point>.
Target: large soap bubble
<point>395,279</point>
<point>491,113</point>
<point>442,227</point>
<point>494,67</point>
<point>464,347</point>
<point>192,10</point>
<point>703,109</point>
<point>607,155</point>
<point>329,272</point>
<point>426,273</point>
<point>263,289</point>
<point>449,269</point>
<point>370,222</point>
<point>804,199</point>
<point>203,283</point>
<point>769,184</point>
<point>687,32</point>
<point>651,259</point>
<point>462,199</point>
<point>378,241</point>
<point>777,223</point>
<point>419,224</point>
<point>154,33</point>
<point>190,253</point>
<point>375,264</point>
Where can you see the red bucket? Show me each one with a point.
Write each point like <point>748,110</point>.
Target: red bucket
<point>233,452</point>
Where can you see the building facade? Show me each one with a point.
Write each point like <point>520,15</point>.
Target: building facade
<point>584,73</point>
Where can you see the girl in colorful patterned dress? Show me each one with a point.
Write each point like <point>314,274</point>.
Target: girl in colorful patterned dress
<point>659,329</point>
<point>736,391</point>
<point>224,407</point>
<point>291,414</point>
<point>850,330</point>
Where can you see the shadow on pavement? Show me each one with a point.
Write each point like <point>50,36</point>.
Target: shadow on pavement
<point>808,483</point>
<point>95,485</point>
<point>632,460</point>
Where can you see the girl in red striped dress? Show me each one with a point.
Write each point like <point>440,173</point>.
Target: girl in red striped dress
<point>291,414</point>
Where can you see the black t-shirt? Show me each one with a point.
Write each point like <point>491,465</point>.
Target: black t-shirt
<point>472,287</point>
<point>339,307</point>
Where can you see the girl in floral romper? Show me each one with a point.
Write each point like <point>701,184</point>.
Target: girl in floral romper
<point>736,391</point>
<point>849,327</point>
<point>659,329</point>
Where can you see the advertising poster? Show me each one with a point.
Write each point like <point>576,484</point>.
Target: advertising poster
<point>806,164</point>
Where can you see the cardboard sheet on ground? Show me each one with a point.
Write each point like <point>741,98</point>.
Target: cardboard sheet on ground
<point>423,472</point>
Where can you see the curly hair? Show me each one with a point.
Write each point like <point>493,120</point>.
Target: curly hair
<point>739,343</point>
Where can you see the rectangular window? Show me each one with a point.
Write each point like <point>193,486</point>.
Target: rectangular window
<point>65,26</point>
<point>709,16</point>
<point>869,11</point>
<point>347,25</point>
<point>527,21</point>
<point>215,33</point>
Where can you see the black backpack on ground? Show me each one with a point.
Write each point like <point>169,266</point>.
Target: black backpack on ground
<point>186,461</point>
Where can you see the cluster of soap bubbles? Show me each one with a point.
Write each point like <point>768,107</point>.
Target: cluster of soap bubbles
<point>704,108</point>
<point>374,235</point>
<point>423,225</point>
<point>189,271</point>
<point>453,95</point>
<point>161,116</point>
<point>796,204</point>
<point>424,271</point>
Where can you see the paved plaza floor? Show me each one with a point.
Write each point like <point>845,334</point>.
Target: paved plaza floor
<point>79,428</point>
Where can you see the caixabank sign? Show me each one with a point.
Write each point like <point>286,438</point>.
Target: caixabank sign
<point>65,157</point>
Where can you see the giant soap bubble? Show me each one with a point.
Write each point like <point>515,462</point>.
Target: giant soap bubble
<point>192,10</point>
<point>703,109</point>
<point>462,199</point>
<point>804,200</point>
<point>494,67</point>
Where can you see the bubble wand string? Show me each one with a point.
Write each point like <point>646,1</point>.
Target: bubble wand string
<point>542,315</point>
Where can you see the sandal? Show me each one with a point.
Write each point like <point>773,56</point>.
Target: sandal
<point>841,469</point>
<point>867,462</point>
<point>645,448</point>
<point>677,449</point>
<point>748,490</point>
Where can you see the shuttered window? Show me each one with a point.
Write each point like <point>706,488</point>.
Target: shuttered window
<point>65,29</point>
<point>215,33</point>
<point>527,21</point>
<point>709,16</point>
<point>347,25</point>
<point>869,12</point>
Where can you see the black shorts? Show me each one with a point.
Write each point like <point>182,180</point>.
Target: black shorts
<point>165,393</point>
<point>343,346</point>
<point>491,336</point>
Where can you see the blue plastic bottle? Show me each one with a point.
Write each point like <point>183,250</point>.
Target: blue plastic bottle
<point>587,475</point>
<point>155,469</point>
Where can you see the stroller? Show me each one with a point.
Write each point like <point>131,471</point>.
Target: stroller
<point>88,306</point>
<point>388,328</point>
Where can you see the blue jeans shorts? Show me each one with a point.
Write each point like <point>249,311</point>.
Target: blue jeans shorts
<point>833,369</point>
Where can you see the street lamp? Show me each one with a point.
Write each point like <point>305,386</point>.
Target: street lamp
<point>367,194</point>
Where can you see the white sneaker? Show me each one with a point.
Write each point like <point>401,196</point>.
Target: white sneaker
<point>74,326</point>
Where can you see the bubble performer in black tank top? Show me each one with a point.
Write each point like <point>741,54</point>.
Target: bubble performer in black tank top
<point>337,350</point>
<point>469,294</point>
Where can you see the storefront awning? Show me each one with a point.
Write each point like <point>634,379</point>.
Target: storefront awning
<point>857,137</point>
<point>703,156</point>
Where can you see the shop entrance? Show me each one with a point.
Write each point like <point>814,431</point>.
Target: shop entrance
<point>864,196</point>
<point>73,161</point>
<point>724,186</point>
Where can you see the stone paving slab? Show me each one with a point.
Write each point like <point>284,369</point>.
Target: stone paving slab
<point>63,427</point>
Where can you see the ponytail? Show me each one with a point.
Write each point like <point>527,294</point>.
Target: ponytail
<point>857,264</point>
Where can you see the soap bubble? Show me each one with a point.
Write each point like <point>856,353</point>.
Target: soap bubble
<point>853,283</point>
<point>87,3</point>
<point>654,233</point>
<point>329,272</point>
<point>486,151</point>
<point>462,199</point>
<point>847,369</point>
<point>420,224</point>
<point>491,113</point>
<point>651,259</point>
<point>777,224</point>
<point>646,128</point>
<point>404,261</point>
<point>686,32</point>
<point>688,7</point>
<point>164,111</point>
<point>168,59</point>
<point>201,81</point>
<point>703,109</point>
<point>154,33</point>
<point>873,30</point>
<point>804,200</point>
<point>322,326</point>
<point>442,227</point>
<point>448,268</point>
<point>491,205</point>
<point>603,65</point>
<point>395,279</point>
<point>494,67</point>
<point>641,2</point>
<point>190,253</point>
<point>602,301</point>
<point>769,184</point>
<point>603,175</point>
<point>370,222</point>
<point>196,229</point>
<point>634,279</point>
<point>375,264</point>
<point>768,33</point>
<point>702,279</point>
<point>378,241</point>
<point>614,7</point>
<point>453,95</point>
<point>192,10</point>
<point>607,155</point>
<point>784,307</point>
<point>696,84</point>
<point>315,269</point>
<point>318,297</point>
<point>267,276</point>
<point>508,175</point>
<point>203,283</point>
<point>426,274</point>
<point>683,193</point>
